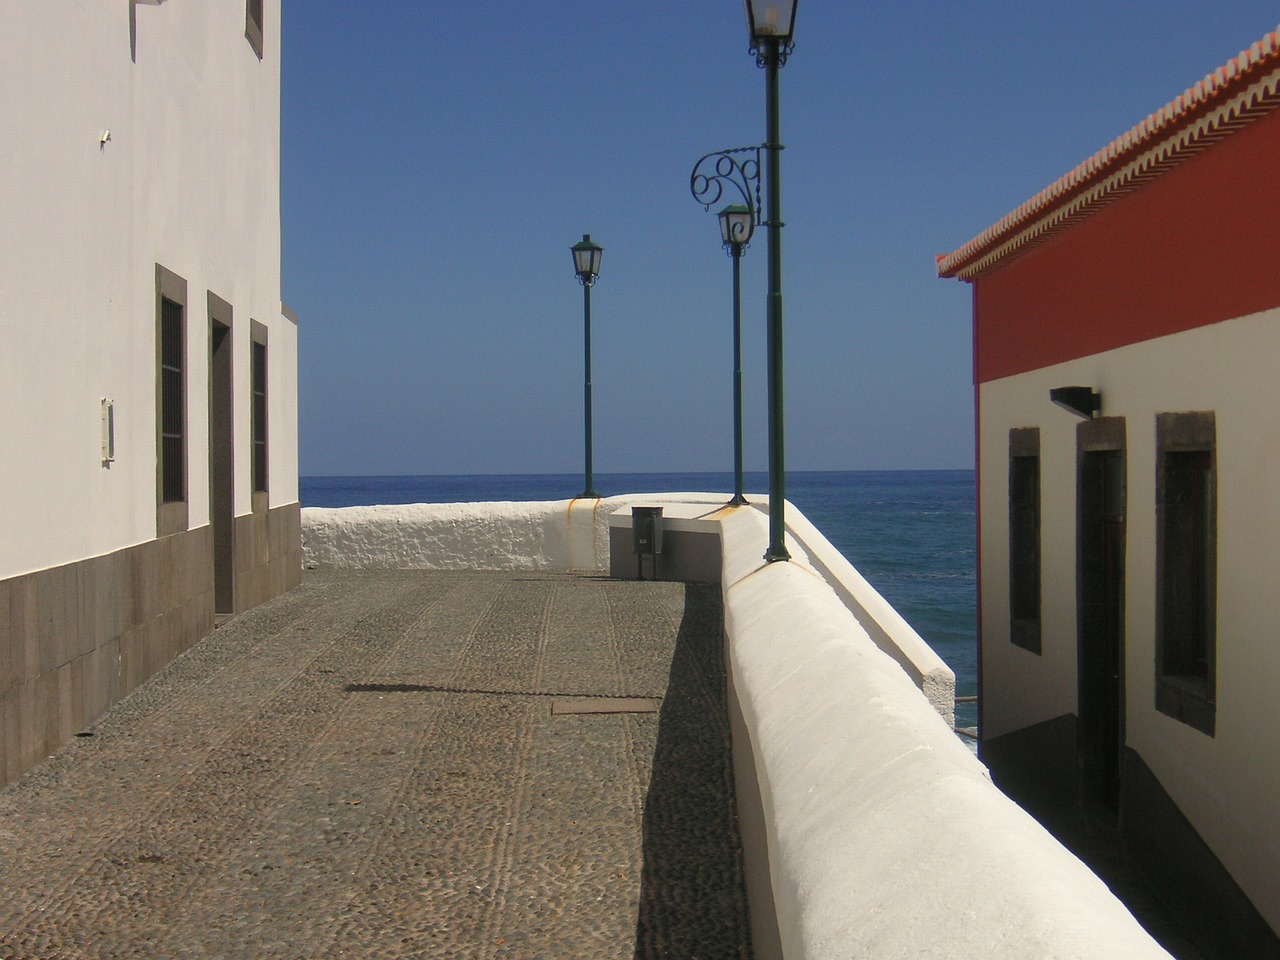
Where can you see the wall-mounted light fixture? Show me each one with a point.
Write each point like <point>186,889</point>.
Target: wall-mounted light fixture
<point>108,431</point>
<point>133,24</point>
<point>1084,402</point>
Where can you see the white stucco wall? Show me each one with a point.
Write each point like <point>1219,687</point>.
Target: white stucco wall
<point>568,535</point>
<point>886,837</point>
<point>1228,785</point>
<point>189,179</point>
<point>554,535</point>
<point>882,623</point>
<point>282,409</point>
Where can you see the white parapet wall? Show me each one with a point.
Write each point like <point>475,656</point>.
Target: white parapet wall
<point>567,535</point>
<point>869,829</point>
<point>560,535</point>
<point>883,835</point>
<point>882,623</point>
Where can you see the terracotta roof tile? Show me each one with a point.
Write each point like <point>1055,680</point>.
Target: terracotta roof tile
<point>1240,91</point>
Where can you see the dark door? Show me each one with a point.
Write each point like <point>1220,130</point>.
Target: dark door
<point>221,468</point>
<point>1101,625</point>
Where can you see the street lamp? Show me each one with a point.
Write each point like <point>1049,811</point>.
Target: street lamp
<point>736,226</point>
<point>586,264</point>
<point>771,24</point>
<point>771,20</point>
<point>736,169</point>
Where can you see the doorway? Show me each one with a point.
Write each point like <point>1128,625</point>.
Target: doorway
<point>221,457</point>
<point>1100,605</point>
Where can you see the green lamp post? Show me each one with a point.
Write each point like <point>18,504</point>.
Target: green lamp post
<point>735,169</point>
<point>586,264</point>
<point>771,24</point>
<point>736,226</point>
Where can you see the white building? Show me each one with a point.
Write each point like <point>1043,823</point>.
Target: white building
<point>1128,592</point>
<point>149,369</point>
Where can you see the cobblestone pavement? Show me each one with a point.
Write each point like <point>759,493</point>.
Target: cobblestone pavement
<point>370,766</point>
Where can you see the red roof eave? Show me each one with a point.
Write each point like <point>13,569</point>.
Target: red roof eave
<point>1238,92</point>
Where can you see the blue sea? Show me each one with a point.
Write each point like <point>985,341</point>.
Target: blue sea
<point>910,533</point>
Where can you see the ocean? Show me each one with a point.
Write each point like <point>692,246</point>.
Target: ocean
<point>910,533</point>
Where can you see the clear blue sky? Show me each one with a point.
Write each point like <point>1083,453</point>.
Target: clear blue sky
<point>439,160</point>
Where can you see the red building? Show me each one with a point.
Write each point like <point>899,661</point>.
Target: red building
<point>1126,325</point>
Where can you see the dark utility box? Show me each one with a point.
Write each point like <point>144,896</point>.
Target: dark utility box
<point>646,530</point>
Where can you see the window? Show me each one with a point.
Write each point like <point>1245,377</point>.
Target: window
<point>258,365</point>
<point>171,402</point>
<point>1024,538</point>
<point>1186,568</point>
<point>253,25</point>
<point>172,408</point>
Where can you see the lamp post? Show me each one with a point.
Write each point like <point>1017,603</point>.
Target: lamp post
<point>737,168</point>
<point>736,226</point>
<point>586,264</point>
<point>771,24</point>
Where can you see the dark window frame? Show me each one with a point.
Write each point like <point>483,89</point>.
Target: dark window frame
<point>1186,568</point>
<point>1024,539</point>
<point>253,24</point>
<point>172,404</point>
<point>259,416</point>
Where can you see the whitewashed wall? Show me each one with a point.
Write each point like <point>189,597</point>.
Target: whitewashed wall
<point>885,836</point>
<point>190,180</point>
<point>549,535</point>
<point>1228,368</point>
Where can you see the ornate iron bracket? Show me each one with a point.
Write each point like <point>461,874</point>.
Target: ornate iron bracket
<point>783,51</point>
<point>737,166</point>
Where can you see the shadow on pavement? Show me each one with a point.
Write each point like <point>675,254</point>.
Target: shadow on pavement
<point>692,898</point>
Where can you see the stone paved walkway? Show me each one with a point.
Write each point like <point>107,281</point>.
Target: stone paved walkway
<point>370,766</point>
